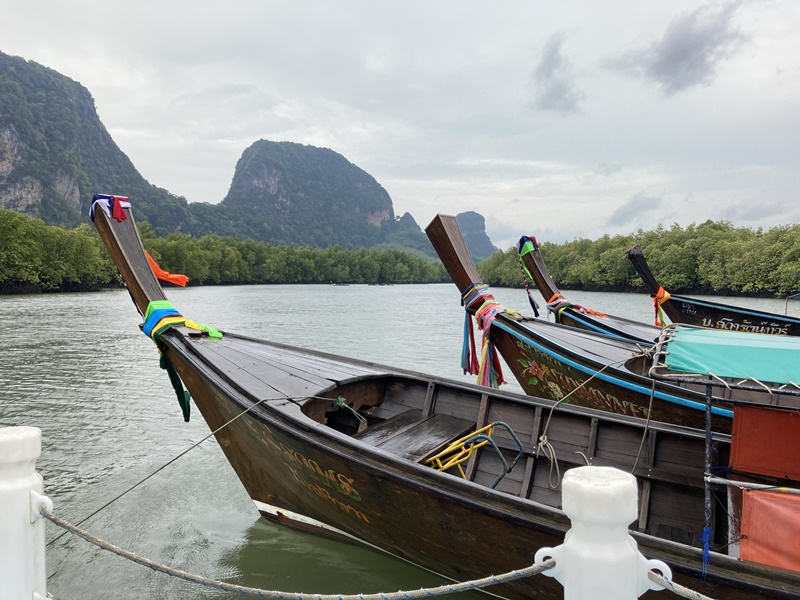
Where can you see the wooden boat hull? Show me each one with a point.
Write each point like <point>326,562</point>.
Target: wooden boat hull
<point>544,365</point>
<point>286,420</point>
<point>445,524</point>
<point>440,522</point>
<point>411,516</point>
<point>584,367</point>
<point>703,313</point>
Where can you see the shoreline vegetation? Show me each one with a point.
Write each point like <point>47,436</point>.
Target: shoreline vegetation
<point>36,258</point>
<point>713,258</point>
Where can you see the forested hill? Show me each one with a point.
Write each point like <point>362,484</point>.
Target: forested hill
<point>55,153</point>
<point>287,193</point>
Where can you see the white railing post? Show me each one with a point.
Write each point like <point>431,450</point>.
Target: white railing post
<point>22,566</point>
<point>599,559</point>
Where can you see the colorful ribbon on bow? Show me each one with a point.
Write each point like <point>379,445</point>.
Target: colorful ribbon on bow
<point>160,317</point>
<point>659,299</point>
<point>525,246</point>
<point>111,205</point>
<point>486,309</point>
<point>161,274</point>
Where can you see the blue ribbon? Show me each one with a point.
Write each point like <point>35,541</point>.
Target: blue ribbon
<point>705,537</point>
<point>156,316</point>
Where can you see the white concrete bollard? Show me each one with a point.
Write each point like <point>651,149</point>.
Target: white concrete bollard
<point>599,559</point>
<point>22,562</point>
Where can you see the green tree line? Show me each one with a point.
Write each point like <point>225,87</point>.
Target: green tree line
<point>710,258</point>
<point>35,257</point>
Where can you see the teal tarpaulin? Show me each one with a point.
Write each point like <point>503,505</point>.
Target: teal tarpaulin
<point>767,358</point>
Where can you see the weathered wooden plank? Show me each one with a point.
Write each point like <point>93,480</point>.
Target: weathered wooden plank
<point>676,507</point>
<point>482,421</point>
<point>430,399</point>
<point>619,442</point>
<point>491,464</point>
<point>404,393</point>
<point>380,433</point>
<point>458,403</point>
<point>308,362</point>
<point>568,433</point>
<point>428,436</point>
<point>260,379</point>
<point>385,410</point>
<point>679,455</point>
<point>527,480</point>
<point>519,418</point>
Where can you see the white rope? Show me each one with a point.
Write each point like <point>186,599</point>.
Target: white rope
<point>544,446</point>
<point>441,590</point>
<point>229,587</point>
<point>764,385</point>
<point>646,427</point>
<point>192,447</point>
<point>676,588</point>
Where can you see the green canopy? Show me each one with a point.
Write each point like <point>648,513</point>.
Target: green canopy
<point>738,355</point>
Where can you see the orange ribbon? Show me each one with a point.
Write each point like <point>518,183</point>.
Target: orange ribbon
<point>659,299</point>
<point>163,275</point>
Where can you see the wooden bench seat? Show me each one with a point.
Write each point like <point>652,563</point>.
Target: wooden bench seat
<point>414,437</point>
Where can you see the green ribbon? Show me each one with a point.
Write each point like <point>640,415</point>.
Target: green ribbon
<point>527,247</point>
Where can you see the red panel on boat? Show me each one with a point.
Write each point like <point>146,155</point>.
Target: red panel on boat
<point>770,529</point>
<point>766,441</point>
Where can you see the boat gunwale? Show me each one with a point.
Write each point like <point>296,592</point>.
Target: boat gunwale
<point>384,371</point>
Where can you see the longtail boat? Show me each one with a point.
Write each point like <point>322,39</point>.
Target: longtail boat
<point>704,313</point>
<point>579,366</point>
<point>363,452</point>
<point>575,315</point>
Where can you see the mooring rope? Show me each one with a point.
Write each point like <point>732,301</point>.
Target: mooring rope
<point>646,426</point>
<point>453,588</point>
<point>545,446</point>
<point>441,590</point>
<point>335,401</point>
<point>676,588</point>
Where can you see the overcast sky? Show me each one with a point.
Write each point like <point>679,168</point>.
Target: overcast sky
<point>556,119</point>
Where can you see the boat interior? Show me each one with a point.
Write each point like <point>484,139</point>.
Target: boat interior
<point>519,445</point>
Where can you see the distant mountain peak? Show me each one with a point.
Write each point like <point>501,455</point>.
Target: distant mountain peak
<point>473,228</point>
<point>55,153</point>
<point>291,193</point>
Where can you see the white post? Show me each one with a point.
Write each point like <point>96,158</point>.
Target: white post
<point>599,559</point>
<point>22,569</point>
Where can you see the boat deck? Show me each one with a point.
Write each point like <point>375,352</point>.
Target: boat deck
<point>415,417</point>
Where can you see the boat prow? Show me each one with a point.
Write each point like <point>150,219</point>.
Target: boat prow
<point>364,450</point>
<point>705,313</point>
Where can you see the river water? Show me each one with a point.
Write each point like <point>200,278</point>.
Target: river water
<point>77,367</point>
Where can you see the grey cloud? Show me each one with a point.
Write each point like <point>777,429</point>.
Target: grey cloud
<point>554,82</point>
<point>692,48</point>
<point>749,211</point>
<point>607,169</point>
<point>633,208</point>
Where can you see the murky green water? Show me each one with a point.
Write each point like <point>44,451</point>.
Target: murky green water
<point>76,366</point>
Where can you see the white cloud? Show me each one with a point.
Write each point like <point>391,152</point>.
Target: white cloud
<point>507,109</point>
